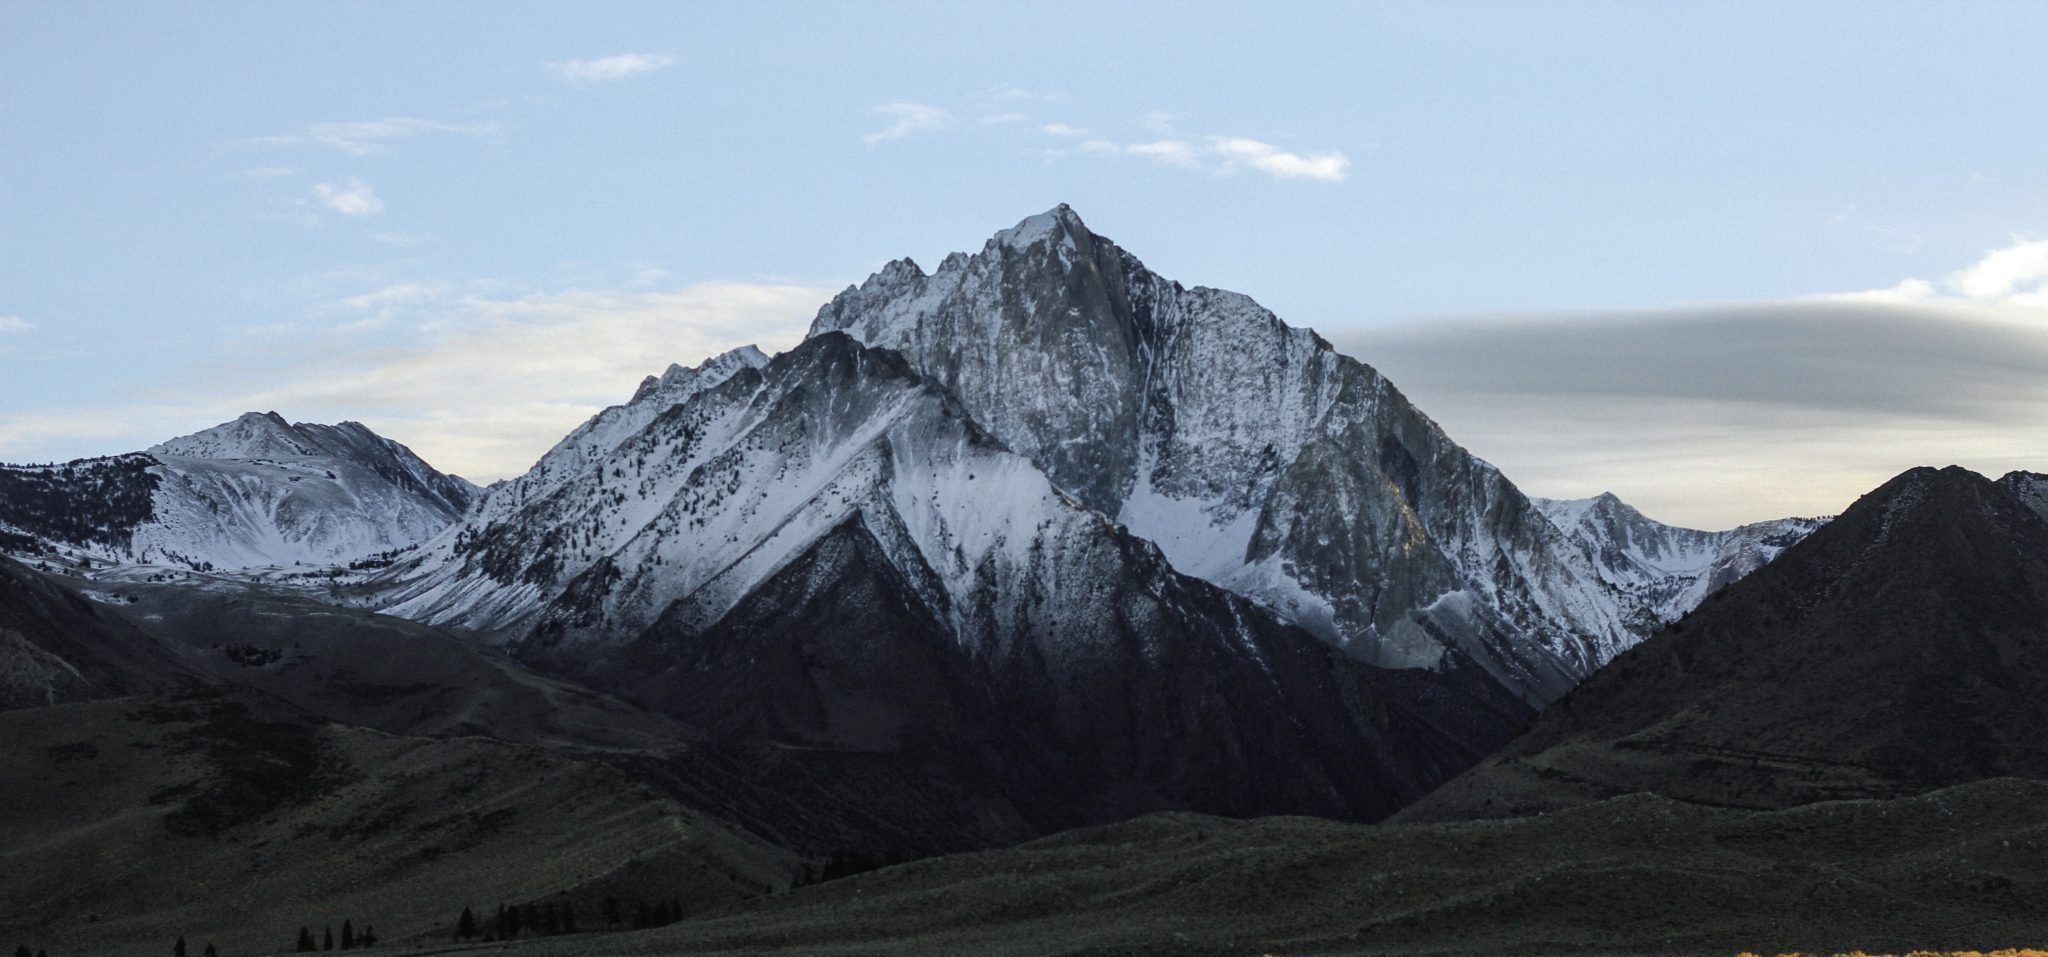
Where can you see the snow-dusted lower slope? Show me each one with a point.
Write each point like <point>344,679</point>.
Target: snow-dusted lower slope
<point>254,492</point>
<point>1664,568</point>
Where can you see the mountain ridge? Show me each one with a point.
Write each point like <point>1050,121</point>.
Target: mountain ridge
<point>1897,649</point>
<point>250,493</point>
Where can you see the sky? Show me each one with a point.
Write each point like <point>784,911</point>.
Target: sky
<point>1729,261</point>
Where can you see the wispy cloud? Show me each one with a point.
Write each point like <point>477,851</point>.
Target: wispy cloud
<point>351,198</point>
<point>610,68</point>
<point>1329,167</point>
<point>270,172</point>
<point>1170,152</point>
<point>367,137</point>
<point>1004,119</point>
<point>1718,414</point>
<point>1062,130</point>
<point>1224,155</point>
<point>909,120</point>
<point>15,324</point>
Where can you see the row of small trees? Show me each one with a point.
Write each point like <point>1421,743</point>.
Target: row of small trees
<point>350,940</point>
<point>546,919</point>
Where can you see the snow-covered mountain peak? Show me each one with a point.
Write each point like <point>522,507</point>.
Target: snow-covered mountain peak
<point>250,435</point>
<point>253,492</point>
<point>1668,569</point>
<point>679,380</point>
<point>1058,224</point>
<point>587,446</point>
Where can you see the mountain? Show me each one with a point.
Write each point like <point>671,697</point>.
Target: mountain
<point>1901,647</point>
<point>251,493</point>
<point>1664,568</point>
<point>1253,454</point>
<point>827,552</point>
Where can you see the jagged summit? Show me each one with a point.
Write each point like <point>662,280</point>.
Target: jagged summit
<point>1059,223</point>
<point>249,435</point>
<point>1254,454</point>
<point>679,380</point>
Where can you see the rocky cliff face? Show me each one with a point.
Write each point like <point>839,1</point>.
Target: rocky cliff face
<point>1253,454</point>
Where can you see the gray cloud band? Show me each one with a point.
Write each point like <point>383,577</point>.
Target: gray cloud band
<point>1721,414</point>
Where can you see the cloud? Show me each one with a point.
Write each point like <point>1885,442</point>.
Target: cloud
<point>2020,269</point>
<point>270,172</point>
<point>1170,152</point>
<point>910,119</point>
<point>15,324</point>
<point>1279,163</point>
<point>1062,130</point>
<point>1224,155</point>
<point>1716,415</point>
<point>477,382</point>
<point>1002,119</point>
<point>367,137</point>
<point>2010,275</point>
<point>610,68</point>
<point>353,198</point>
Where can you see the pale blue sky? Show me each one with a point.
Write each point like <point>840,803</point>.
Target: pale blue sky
<point>384,211</point>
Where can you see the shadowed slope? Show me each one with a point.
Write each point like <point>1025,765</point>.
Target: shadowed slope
<point>1901,647</point>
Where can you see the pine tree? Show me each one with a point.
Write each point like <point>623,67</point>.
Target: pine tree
<point>23,951</point>
<point>368,938</point>
<point>348,935</point>
<point>643,916</point>
<point>178,949</point>
<point>306,940</point>
<point>512,921</point>
<point>675,909</point>
<point>568,917</point>
<point>614,912</point>
<point>328,942</point>
<point>551,922</point>
<point>465,926</point>
<point>211,951</point>
<point>532,917</point>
